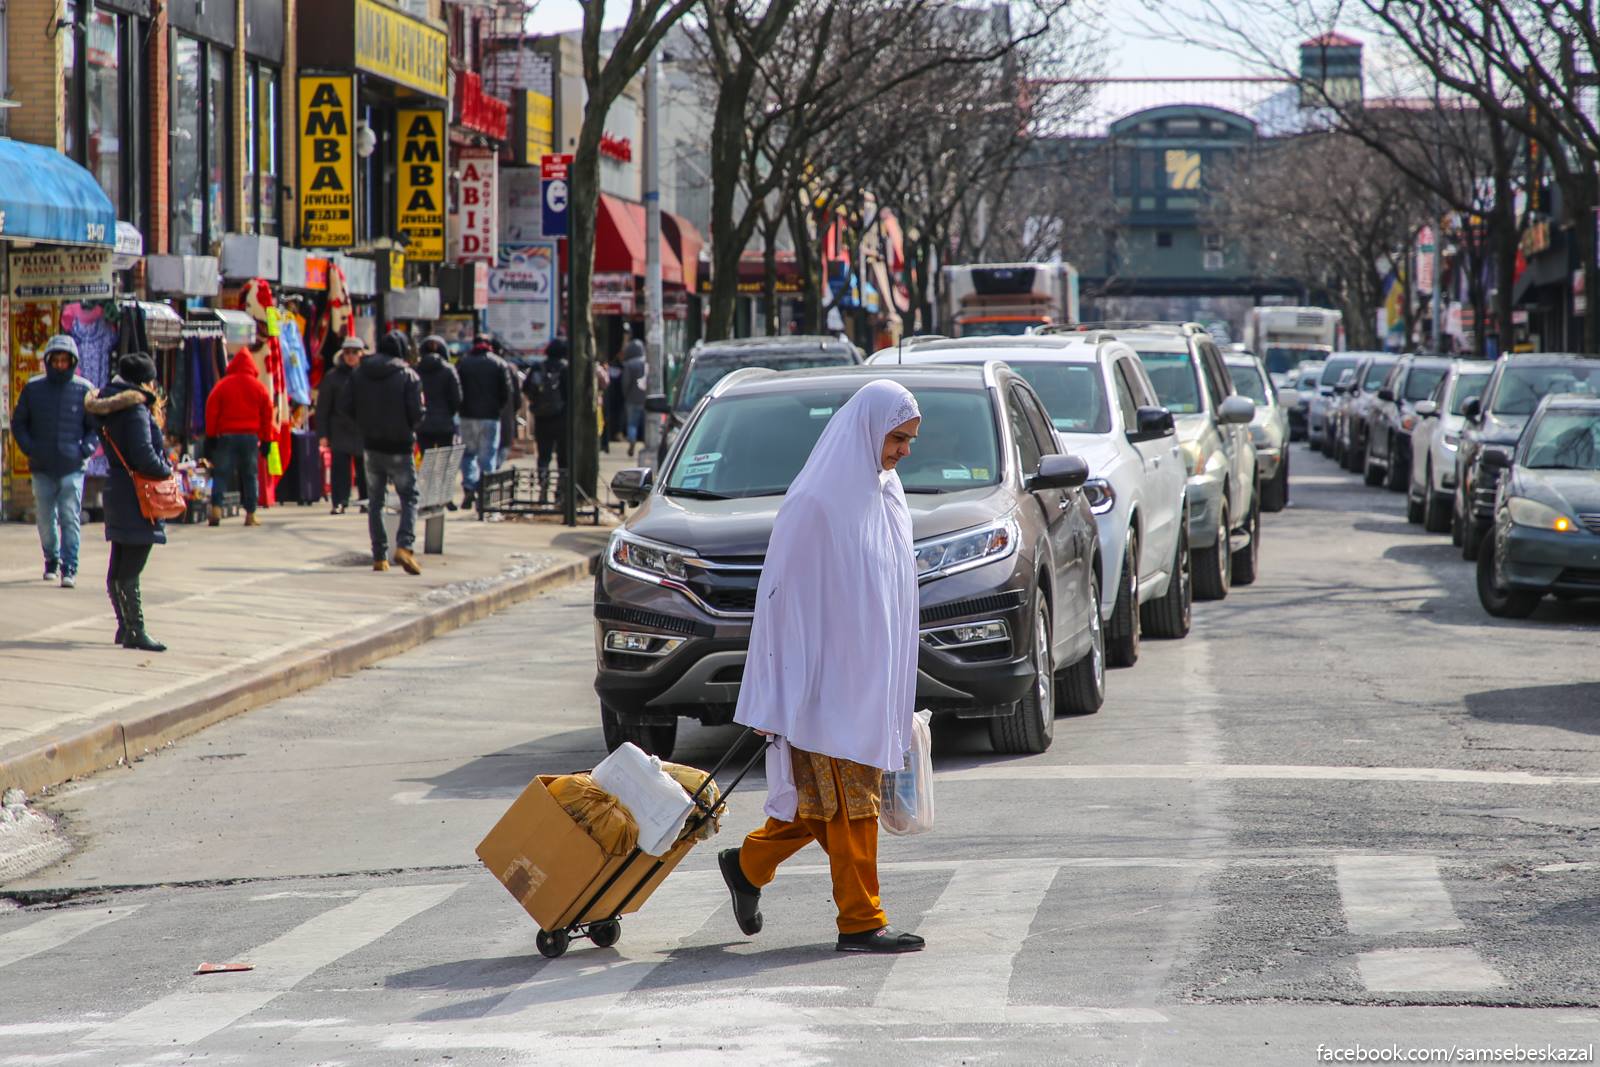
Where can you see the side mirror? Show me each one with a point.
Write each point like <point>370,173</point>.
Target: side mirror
<point>1386,395</point>
<point>1472,410</point>
<point>632,485</point>
<point>1059,472</point>
<point>1152,425</point>
<point>658,404</point>
<point>1495,458</point>
<point>1426,409</point>
<point>1237,411</point>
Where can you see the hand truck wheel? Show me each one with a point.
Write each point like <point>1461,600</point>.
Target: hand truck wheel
<point>552,943</point>
<point>604,934</point>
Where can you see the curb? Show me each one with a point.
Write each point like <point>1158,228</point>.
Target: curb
<point>142,728</point>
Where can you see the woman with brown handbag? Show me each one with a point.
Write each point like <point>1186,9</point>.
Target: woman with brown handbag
<point>129,410</point>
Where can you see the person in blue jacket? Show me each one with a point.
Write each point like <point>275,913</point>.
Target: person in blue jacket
<point>129,410</point>
<point>55,432</point>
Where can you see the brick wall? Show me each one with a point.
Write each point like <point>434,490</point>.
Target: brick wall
<point>157,234</point>
<point>236,154</point>
<point>291,141</point>
<point>34,65</point>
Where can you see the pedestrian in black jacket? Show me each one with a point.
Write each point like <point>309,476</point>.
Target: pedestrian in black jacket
<point>546,389</point>
<point>58,437</point>
<point>441,394</point>
<point>128,414</point>
<point>385,398</point>
<point>339,431</point>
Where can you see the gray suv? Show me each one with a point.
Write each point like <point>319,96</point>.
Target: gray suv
<point>1008,558</point>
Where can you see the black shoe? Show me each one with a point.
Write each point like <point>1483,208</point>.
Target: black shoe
<point>883,939</point>
<point>746,897</point>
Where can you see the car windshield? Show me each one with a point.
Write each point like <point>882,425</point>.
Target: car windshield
<point>1375,376</point>
<point>1000,328</point>
<point>1335,368</point>
<point>1172,373</point>
<point>745,446</point>
<point>1565,440</point>
<point>1280,358</point>
<point>706,371</point>
<point>1421,382</point>
<point>1468,385</point>
<point>1248,381</point>
<point>1073,393</point>
<point>1521,388</point>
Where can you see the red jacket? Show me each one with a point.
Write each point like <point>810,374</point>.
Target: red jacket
<point>239,403</point>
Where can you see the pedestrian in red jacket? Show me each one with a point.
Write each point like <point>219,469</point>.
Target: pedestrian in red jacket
<point>238,428</point>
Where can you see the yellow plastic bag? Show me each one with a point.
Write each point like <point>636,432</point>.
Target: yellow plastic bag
<point>274,460</point>
<point>598,812</point>
<point>691,778</point>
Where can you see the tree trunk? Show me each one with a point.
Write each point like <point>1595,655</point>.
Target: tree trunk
<point>769,275</point>
<point>799,215</point>
<point>729,234</point>
<point>585,179</point>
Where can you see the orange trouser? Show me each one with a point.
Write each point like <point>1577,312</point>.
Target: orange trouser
<point>852,848</point>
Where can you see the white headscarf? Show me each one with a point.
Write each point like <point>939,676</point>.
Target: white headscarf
<point>832,666</point>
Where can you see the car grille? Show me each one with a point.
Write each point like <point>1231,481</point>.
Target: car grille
<point>653,619</point>
<point>727,586</point>
<point>1591,521</point>
<point>958,609</point>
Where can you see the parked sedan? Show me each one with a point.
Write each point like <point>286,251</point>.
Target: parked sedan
<point>1009,564</point>
<point>1318,433</point>
<point>1393,416</point>
<point>1105,410</point>
<point>1213,431</point>
<point>1546,532</point>
<point>1434,442</point>
<point>1495,420</point>
<point>1307,383</point>
<point>1269,429</point>
<point>1359,402</point>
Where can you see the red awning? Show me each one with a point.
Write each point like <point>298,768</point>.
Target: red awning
<point>686,243</point>
<point>619,245</point>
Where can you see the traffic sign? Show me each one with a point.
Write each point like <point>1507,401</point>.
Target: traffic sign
<point>556,193</point>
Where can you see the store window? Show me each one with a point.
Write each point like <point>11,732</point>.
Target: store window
<point>259,197</point>
<point>101,93</point>
<point>200,138</point>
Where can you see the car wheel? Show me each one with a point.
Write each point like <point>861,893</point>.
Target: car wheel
<point>655,739</point>
<point>1455,519</point>
<point>1031,725</point>
<point>1122,637</point>
<point>1471,539</point>
<point>1275,494</point>
<point>1371,475</point>
<point>1083,685</point>
<point>1355,459</point>
<point>1435,507</point>
<point>1170,615</point>
<point>1213,567</point>
<point>1399,473</point>
<point>1248,558</point>
<point>1415,504</point>
<point>1497,598</point>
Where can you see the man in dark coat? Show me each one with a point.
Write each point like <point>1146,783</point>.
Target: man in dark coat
<point>441,394</point>
<point>338,430</point>
<point>385,399</point>
<point>485,389</point>
<point>127,411</point>
<point>58,437</point>
<point>547,390</point>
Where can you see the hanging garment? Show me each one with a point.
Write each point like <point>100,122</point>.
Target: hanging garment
<point>832,666</point>
<point>97,342</point>
<point>296,361</point>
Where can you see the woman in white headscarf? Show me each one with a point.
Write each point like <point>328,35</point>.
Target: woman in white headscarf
<point>832,671</point>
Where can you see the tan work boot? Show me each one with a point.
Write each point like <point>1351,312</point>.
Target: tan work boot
<point>214,516</point>
<point>407,561</point>
<point>250,519</point>
<point>380,564</point>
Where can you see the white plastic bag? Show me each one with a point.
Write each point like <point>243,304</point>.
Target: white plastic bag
<point>657,803</point>
<point>905,805</point>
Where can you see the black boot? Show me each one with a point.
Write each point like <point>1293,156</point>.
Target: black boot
<point>885,939</point>
<point>136,637</point>
<point>746,897</point>
<point>115,595</point>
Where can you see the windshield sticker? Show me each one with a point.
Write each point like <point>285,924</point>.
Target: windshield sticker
<point>691,483</point>
<point>706,457</point>
<point>821,413</point>
<point>952,474</point>
<point>980,472</point>
<point>699,468</point>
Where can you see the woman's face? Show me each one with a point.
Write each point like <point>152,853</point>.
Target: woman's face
<point>897,445</point>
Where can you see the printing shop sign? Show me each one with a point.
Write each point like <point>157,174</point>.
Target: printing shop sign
<point>523,304</point>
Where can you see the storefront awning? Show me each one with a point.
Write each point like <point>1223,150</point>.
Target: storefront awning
<point>686,244</point>
<point>619,245</point>
<point>47,197</point>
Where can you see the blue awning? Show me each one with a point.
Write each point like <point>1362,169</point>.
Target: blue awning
<point>44,196</point>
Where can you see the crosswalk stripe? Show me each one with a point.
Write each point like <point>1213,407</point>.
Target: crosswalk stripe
<point>214,1002</point>
<point>1385,895</point>
<point>593,983</point>
<point>55,930</point>
<point>1427,970</point>
<point>981,919</point>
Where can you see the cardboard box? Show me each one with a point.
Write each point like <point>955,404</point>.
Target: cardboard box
<point>552,866</point>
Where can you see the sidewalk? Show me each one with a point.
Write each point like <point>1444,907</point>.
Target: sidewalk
<point>248,616</point>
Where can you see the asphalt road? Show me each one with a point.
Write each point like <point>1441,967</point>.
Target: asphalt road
<point>1350,810</point>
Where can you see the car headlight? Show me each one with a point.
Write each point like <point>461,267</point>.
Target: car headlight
<point>1526,512</point>
<point>1452,441</point>
<point>1194,457</point>
<point>649,561</point>
<point>1408,422</point>
<point>942,556</point>
<point>1258,434</point>
<point>1102,498</point>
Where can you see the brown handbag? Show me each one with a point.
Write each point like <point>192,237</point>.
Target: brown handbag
<point>159,498</point>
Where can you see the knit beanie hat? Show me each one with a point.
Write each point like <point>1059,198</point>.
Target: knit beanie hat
<point>434,343</point>
<point>136,368</point>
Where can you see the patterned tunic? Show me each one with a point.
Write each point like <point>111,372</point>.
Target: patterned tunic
<point>819,794</point>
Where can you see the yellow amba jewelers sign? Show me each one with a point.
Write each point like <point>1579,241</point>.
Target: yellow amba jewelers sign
<point>327,161</point>
<point>403,49</point>
<point>419,185</point>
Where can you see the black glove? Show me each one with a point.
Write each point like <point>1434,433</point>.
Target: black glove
<point>266,448</point>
